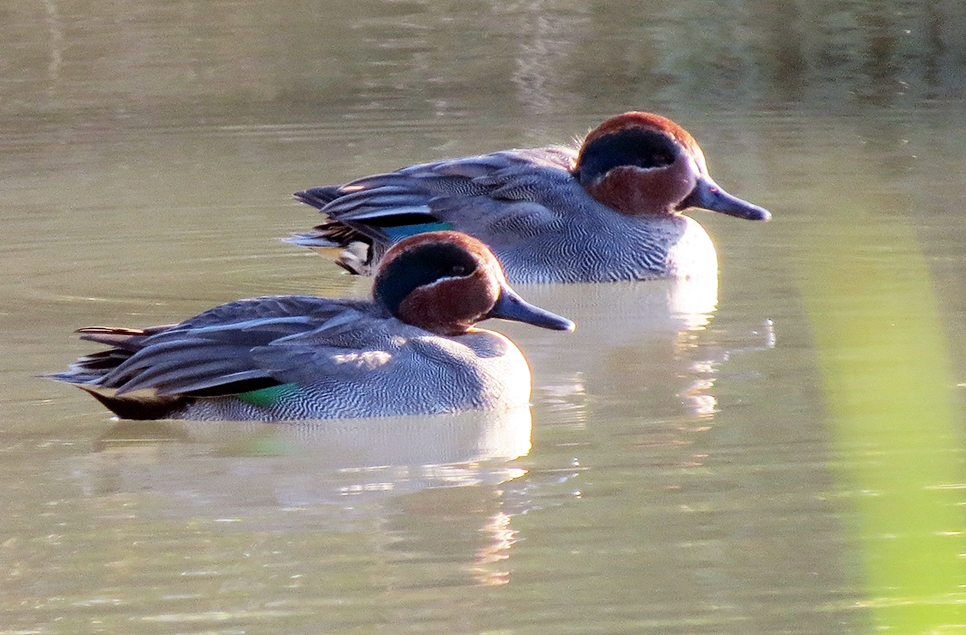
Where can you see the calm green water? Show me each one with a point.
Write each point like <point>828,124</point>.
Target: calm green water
<point>781,454</point>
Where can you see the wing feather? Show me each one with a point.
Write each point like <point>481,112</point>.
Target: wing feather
<point>482,195</point>
<point>274,339</point>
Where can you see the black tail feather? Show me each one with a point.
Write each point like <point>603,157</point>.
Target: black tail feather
<point>141,409</point>
<point>319,197</point>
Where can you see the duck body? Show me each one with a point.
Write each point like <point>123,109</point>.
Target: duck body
<point>608,211</point>
<point>412,350</point>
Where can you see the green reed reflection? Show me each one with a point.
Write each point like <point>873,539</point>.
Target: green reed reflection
<point>898,447</point>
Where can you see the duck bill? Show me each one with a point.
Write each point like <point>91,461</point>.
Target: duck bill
<point>511,306</point>
<point>708,195</point>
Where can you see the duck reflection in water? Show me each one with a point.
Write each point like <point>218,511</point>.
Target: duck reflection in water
<point>409,484</point>
<point>643,349</point>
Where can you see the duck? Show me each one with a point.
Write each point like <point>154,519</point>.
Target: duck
<point>412,349</point>
<point>609,210</point>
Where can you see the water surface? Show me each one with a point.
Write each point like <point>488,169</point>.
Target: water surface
<point>780,452</point>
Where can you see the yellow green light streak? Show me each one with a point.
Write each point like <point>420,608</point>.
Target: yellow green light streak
<point>893,414</point>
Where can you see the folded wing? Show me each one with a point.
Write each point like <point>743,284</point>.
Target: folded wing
<point>237,347</point>
<point>516,193</point>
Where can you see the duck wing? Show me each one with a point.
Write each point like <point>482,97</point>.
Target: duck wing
<point>223,351</point>
<point>512,194</point>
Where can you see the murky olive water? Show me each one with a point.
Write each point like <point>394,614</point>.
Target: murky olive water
<point>782,453</point>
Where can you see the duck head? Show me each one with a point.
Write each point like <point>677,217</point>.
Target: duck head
<point>445,282</point>
<point>640,163</point>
